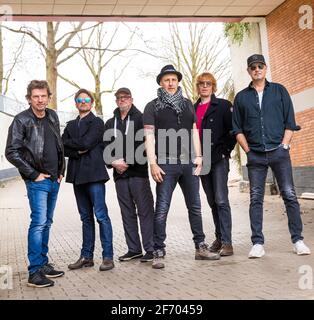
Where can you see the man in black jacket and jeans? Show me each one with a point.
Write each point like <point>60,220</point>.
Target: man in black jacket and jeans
<point>215,114</point>
<point>174,154</point>
<point>34,146</point>
<point>131,176</point>
<point>83,144</point>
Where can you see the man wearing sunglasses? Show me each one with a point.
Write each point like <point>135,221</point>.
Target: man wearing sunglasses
<point>83,144</point>
<point>263,122</point>
<point>215,114</point>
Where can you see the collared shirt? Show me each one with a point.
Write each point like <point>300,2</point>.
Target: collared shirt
<point>263,125</point>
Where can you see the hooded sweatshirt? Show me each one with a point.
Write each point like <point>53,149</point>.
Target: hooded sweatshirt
<point>124,133</point>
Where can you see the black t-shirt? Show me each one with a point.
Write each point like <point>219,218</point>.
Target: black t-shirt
<point>166,121</point>
<point>50,152</point>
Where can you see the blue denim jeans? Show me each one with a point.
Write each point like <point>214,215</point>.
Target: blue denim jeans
<point>215,185</point>
<point>279,161</point>
<point>90,199</point>
<point>42,198</point>
<point>189,183</point>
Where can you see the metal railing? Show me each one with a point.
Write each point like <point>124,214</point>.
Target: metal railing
<point>13,107</point>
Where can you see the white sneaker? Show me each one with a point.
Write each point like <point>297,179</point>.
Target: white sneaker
<point>301,249</point>
<point>257,251</point>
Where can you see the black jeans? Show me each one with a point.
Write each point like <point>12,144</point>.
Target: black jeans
<point>279,161</point>
<point>215,185</point>
<point>189,183</point>
<point>136,201</point>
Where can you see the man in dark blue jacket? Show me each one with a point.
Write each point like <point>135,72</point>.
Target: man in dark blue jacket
<point>263,122</point>
<point>131,176</point>
<point>215,114</point>
<point>83,144</point>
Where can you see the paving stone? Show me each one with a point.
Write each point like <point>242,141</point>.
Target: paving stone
<point>275,276</point>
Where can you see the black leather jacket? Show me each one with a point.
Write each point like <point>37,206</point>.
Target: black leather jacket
<point>25,143</point>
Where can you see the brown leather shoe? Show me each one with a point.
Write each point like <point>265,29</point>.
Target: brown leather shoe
<point>215,246</point>
<point>81,263</point>
<point>107,264</point>
<point>226,250</point>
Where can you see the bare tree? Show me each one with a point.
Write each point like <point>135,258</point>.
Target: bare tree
<point>53,48</point>
<point>6,70</point>
<point>98,55</point>
<point>200,52</point>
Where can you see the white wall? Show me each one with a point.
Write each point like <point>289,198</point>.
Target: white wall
<point>251,44</point>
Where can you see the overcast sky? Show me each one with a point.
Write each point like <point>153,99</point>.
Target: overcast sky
<point>139,75</point>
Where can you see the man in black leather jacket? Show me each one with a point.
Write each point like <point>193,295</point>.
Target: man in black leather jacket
<point>35,147</point>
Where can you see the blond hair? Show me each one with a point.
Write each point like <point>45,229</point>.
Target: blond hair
<point>207,76</point>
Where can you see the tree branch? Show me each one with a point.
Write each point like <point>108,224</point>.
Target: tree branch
<point>29,33</point>
<point>71,82</point>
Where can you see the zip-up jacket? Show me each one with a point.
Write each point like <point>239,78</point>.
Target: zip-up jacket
<point>25,143</point>
<point>124,133</point>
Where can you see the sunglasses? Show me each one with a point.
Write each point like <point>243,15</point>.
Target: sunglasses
<point>85,100</point>
<point>204,84</point>
<point>255,66</point>
<point>123,97</point>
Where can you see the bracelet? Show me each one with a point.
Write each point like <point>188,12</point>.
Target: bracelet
<point>198,156</point>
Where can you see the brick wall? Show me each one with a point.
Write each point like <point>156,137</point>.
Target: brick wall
<point>302,151</point>
<point>291,49</point>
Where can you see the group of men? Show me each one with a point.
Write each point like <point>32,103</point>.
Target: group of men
<point>178,141</point>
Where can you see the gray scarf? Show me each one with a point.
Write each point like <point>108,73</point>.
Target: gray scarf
<point>172,101</point>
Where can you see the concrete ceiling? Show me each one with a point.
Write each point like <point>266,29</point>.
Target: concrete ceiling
<point>141,8</point>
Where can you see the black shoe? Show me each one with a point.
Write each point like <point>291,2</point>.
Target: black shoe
<point>81,263</point>
<point>131,255</point>
<point>49,271</point>
<point>39,280</point>
<point>147,257</point>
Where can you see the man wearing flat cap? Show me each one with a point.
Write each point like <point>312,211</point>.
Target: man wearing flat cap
<point>263,122</point>
<point>131,177</point>
<point>169,121</point>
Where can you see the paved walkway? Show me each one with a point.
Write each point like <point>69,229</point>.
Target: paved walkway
<point>276,276</point>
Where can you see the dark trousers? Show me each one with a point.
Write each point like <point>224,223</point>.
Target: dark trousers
<point>189,183</point>
<point>279,161</point>
<point>90,199</point>
<point>215,185</point>
<point>136,200</point>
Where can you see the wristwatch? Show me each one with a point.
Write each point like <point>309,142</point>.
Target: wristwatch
<point>286,146</point>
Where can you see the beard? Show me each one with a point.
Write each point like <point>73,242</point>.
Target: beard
<point>124,109</point>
